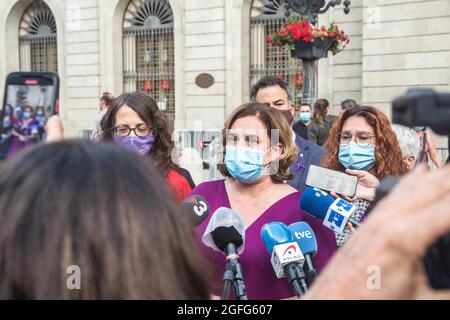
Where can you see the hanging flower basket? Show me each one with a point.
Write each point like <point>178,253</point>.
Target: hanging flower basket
<point>307,41</point>
<point>315,50</point>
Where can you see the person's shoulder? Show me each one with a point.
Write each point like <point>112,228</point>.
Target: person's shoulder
<point>186,174</point>
<point>304,143</point>
<point>208,187</point>
<point>331,118</point>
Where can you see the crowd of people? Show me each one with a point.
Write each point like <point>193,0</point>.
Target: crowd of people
<point>22,127</point>
<point>111,206</point>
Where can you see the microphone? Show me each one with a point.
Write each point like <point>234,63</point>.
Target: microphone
<point>306,240</point>
<point>226,233</point>
<point>335,213</point>
<point>286,257</point>
<point>197,208</point>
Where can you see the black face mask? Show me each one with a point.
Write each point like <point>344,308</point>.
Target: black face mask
<point>288,115</point>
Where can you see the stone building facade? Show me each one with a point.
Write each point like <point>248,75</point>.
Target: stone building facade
<point>395,44</point>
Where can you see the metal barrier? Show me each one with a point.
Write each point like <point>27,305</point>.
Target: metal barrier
<point>205,142</point>
<point>85,134</point>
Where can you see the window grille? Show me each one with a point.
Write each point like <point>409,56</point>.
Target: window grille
<point>266,16</point>
<point>37,39</point>
<point>148,52</point>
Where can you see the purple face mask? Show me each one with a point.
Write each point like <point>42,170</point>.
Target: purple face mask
<point>141,145</point>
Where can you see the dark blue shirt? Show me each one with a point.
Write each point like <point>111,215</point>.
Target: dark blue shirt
<point>308,153</point>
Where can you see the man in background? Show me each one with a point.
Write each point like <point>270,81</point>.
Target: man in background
<point>347,104</point>
<point>301,126</point>
<point>104,103</point>
<point>275,93</point>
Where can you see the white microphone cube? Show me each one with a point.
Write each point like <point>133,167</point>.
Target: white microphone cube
<point>284,254</point>
<point>338,215</point>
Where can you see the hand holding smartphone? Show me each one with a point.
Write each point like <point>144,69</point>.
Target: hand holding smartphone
<point>331,180</point>
<point>30,99</point>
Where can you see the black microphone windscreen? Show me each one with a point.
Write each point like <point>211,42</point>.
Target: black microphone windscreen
<point>222,236</point>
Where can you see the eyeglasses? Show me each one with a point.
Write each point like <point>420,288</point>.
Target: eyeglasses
<point>361,138</point>
<point>141,130</point>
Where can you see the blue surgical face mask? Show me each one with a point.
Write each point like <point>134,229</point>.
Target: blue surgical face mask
<point>305,117</point>
<point>353,156</point>
<point>419,128</point>
<point>6,123</point>
<point>245,164</point>
<point>26,115</point>
<point>39,113</point>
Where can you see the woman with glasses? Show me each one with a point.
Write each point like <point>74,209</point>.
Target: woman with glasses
<point>135,122</point>
<point>257,152</point>
<point>362,143</point>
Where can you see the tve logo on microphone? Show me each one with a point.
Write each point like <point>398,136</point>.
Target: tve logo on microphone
<point>303,234</point>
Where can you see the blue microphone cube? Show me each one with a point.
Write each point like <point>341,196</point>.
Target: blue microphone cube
<point>338,215</point>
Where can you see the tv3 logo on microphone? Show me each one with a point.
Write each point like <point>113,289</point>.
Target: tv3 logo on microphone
<point>200,206</point>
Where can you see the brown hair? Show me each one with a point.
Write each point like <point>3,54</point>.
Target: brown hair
<point>272,119</point>
<point>320,110</point>
<point>147,109</point>
<point>388,155</point>
<point>104,210</point>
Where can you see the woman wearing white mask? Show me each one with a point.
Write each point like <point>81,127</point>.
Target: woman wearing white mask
<point>258,150</point>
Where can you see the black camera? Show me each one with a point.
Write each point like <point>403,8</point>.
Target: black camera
<point>425,107</point>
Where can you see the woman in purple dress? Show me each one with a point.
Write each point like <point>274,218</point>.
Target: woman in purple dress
<point>258,150</point>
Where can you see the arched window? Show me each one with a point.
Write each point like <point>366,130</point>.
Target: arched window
<point>266,16</point>
<point>37,39</point>
<point>148,52</point>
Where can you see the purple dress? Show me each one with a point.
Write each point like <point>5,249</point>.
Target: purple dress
<point>25,129</point>
<point>260,279</point>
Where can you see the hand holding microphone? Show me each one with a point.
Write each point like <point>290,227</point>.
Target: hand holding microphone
<point>393,240</point>
<point>335,213</point>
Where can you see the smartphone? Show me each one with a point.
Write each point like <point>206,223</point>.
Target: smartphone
<point>331,180</point>
<point>30,99</point>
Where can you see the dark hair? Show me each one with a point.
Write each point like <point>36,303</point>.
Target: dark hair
<point>389,160</point>
<point>107,98</point>
<point>28,107</point>
<point>348,103</point>
<point>305,104</point>
<point>270,81</point>
<point>320,110</point>
<point>272,119</point>
<point>147,109</point>
<point>106,211</point>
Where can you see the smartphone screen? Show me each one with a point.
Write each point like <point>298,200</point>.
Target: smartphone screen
<point>331,180</point>
<point>30,98</point>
